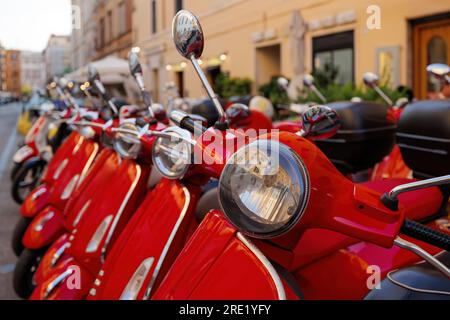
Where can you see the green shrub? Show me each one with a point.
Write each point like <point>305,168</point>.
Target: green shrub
<point>227,87</point>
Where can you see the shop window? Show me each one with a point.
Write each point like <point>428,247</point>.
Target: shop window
<point>336,51</point>
<point>178,5</point>
<point>154,17</point>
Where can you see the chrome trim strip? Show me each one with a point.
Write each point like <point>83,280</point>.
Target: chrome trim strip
<point>415,136</point>
<point>399,242</point>
<point>55,283</point>
<point>147,264</point>
<point>168,243</point>
<point>436,151</point>
<point>78,146</point>
<point>119,213</point>
<point>58,254</point>
<point>273,273</point>
<point>88,164</point>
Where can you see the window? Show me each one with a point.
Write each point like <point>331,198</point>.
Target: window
<point>154,15</point>
<point>335,52</point>
<point>110,27</point>
<point>178,5</point>
<point>122,18</point>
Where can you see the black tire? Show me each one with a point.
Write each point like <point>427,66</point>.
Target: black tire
<point>21,187</point>
<point>24,272</point>
<point>18,233</point>
<point>15,170</point>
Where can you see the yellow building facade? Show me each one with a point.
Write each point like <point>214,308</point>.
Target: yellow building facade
<point>254,39</point>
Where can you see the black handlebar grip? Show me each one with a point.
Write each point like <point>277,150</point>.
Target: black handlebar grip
<point>191,125</point>
<point>426,234</point>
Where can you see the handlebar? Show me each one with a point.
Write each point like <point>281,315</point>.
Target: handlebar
<point>186,122</point>
<point>421,232</point>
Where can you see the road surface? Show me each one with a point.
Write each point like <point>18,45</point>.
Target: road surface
<point>8,208</point>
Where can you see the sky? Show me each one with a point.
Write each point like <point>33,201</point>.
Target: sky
<point>27,24</point>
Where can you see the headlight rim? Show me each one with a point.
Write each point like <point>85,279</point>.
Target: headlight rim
<point>302,204</point>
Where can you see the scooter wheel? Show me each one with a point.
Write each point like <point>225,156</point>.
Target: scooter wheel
<point>25,181</point>
<point>18,233</point>
<point>15,170</point>
<point>24,272</point>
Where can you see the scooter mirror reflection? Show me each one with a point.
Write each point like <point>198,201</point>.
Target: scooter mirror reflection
<point>283,83</point>
<point>371,79</point>
<point>320,122</point>
<point>439,71</point>
<point>308,80</point>
<point>187,35</point>
<point>135,65</point>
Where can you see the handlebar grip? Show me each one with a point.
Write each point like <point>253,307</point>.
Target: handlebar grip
<point>192,126</point>
<point>421,232</point>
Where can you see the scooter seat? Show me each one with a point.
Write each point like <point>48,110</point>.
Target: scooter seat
<point>418,204</point>
<point>418,282</point>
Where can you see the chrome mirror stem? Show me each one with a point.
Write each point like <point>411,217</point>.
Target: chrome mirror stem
<point>213,96</point>
<point>399,242</point>
<point>318,93</point>
<point>383,96</point>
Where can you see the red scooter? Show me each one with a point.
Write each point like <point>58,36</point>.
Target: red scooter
<point>301,215</point>
<point>44,211</point>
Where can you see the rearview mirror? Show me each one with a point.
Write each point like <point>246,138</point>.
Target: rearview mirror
<point>187,35</point>
<point>440,71</point>
<point>308,80</point>
<point>371,79</point>
<point>283,83</point>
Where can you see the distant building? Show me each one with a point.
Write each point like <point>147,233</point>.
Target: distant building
<point>114,27</point>
<point>33,74</point>
<point>83,33</point>
<point>257,39</point>
<point>2,69</point>
<point>57,56</point>
<point>11,78</point>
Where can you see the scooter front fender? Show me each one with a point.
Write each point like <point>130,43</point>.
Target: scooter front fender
<point>219,263</point>
<point>56,255</point>
<point>24,153</point>
<point>69,281</point>
<point>45,229</point>
<point>35,202</point>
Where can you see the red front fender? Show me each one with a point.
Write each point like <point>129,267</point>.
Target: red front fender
<point>35,202</point>
<point>218,263</point>
<point>45,229</point>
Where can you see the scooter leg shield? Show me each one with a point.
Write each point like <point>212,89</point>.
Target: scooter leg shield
<point>55,256</point>
<point>35,202</point>
<point>68,281</point>
<point>45,229</point>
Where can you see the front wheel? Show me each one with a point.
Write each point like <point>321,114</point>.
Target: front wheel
<point>26,267</point>
<point>18,233</point>
<point>15,170</point>
<point>26,180</point>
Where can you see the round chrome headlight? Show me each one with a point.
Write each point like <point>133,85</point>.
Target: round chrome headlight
<point>172,155</point>
<point>128,145</point>
<point>264,189</point>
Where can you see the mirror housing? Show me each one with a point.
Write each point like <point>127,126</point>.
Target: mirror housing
<point>187,35</point>
<point>308,80</point>
<point>283,83</point>
<point>440,71</point>
<point>371,79</point>
<point>319,123</point>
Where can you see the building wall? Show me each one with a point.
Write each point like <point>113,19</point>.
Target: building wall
<point>57,55</point>
<point>231,27</point>
<point>113,27</point>
<point>12,72</point>
<point>32,70</point>
<point>84,34</point>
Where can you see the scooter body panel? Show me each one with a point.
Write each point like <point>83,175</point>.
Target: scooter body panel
<point>217,265</point>
<point>45,228</point>
<point>56,254</point>
<point>70,165</point>
<point>154,236</point>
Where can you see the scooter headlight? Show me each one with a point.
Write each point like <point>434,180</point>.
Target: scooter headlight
<point>128,145</point>
<point>172,154</point>
<point>264,189</point>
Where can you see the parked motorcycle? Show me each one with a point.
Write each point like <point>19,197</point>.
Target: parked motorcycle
<point>298,216</point>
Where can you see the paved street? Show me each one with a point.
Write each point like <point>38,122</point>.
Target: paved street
<point>8,208</point>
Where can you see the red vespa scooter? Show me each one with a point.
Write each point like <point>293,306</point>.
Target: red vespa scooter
<point>93,220</point>
<point>304,192</point>
<point>64,172</point>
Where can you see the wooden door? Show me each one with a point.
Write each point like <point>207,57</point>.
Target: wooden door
<point>431,45</point>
